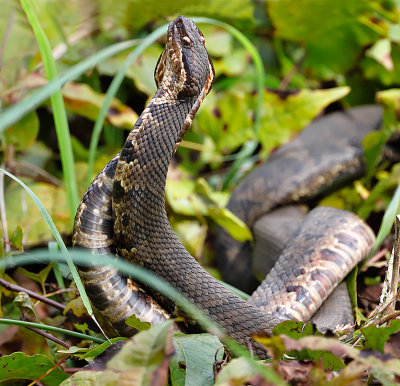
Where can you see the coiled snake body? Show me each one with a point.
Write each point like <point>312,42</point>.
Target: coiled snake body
<point>123,211</point>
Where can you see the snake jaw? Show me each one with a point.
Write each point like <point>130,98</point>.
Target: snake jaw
<point>175,71</point>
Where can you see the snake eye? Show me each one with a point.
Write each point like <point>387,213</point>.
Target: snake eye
<point>186,40</point>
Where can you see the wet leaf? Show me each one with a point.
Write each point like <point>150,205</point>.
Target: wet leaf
<point>19,366</point>
<point>194,358</point>
<point>81,99</point>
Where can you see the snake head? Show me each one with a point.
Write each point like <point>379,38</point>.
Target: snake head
<point>184,68</point>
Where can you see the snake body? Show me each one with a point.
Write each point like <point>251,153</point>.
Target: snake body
<point>326,154</point>
<point>123,211</point>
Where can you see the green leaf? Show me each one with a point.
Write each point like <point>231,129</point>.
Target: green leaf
<point>380,51</point>
<point>142,70</point>
<point>191,234</point>
<point>16,237</point>
<point>333,33</point>
<point>147,349</point>
<point>25,304</point>
<point>143,360</point>
<point>240,371</point>
<point>282,117</point>
<point>295,330</point>
<point>29,217</point>
<point>376,337</point>
<point>23,133</point>
<point>39,277</point>
<point>275,343</point>
<point>94,352</point>
<point>135,322</point>
<point>84,378</point>
<point>76,306</point>
<point>19,366</point>
<point>194,358</point>
<point>233,224</point>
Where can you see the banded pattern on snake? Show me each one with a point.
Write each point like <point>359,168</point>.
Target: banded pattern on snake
<point>123,211</point>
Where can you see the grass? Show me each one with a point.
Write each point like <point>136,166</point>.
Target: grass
<point>59,113</point>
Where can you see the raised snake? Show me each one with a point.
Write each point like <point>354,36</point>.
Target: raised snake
<point>123,211</point>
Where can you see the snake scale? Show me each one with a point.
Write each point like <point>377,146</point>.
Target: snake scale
<point>123,212</point>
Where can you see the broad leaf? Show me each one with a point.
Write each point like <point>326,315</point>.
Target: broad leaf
<point>193,361</point>
<point>19,366</point>
<point>334,33</point>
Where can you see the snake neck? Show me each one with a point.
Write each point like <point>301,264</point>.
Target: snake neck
<point>139,183</point>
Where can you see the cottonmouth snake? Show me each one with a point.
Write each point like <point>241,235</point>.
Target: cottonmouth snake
<point>123,211</point>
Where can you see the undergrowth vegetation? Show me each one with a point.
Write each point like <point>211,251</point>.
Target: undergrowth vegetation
<point>75,76</point>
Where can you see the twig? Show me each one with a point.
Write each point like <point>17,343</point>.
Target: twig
<point>17,288</point>
<point>396,260</point>
<point>60,291</point>
<point>50,337</point>
<point>389,317</point>
<point>59,363</point>
<point>375,258</point>
<point>288,77</point>
<point>40,174</point>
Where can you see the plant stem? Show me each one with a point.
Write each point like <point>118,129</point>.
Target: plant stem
<point>50,337</point>
<point>51,328</point>
<point>17,288</point>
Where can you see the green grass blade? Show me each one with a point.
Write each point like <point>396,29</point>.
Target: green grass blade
<point>388,219</point>
<point>59,113</point>
<point>56,268</point>
<point>59,240</point>
<point>15,112</point>
<point>111,92</point>
<point>51,328</point>
<point>250,146</point>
